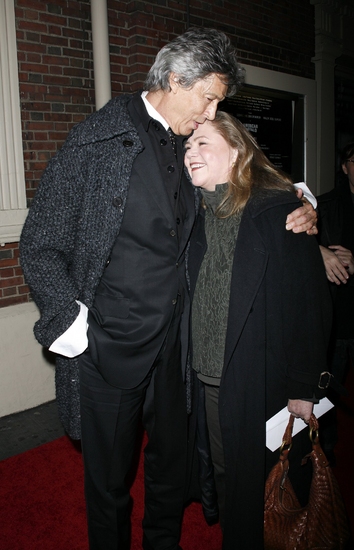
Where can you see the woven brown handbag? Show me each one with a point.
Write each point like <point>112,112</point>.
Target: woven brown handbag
<point>322,523</point>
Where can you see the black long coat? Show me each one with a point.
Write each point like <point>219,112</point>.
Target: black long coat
<point>278,327</point>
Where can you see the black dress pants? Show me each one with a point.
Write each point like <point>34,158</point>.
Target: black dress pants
<point>110,420</point>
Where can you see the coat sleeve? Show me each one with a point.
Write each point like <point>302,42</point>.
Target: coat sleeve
<point>47,246</point>
<point>306,313</point>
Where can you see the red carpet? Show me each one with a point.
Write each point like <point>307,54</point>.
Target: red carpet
<point>42,505</point>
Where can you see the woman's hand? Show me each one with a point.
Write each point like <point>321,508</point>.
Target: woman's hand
<point>300,409</point>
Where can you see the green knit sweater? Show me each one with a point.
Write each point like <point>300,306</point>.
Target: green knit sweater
<point>212,292</point>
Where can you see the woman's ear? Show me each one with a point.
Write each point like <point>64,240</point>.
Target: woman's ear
<point>344,168</point>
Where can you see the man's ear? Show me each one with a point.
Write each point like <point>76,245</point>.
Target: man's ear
<point>173,81</point>
<point>344,168</point>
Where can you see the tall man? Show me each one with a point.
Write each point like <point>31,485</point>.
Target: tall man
<point>107,234</point>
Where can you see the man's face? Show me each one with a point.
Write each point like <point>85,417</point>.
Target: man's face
<point>190,107</point>
<point>348,169</point>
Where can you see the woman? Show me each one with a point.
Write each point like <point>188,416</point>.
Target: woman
<point>260,315</point>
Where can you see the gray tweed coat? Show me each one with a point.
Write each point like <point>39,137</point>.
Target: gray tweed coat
<point>70,230</point>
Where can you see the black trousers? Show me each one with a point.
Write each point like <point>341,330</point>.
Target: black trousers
<point>216,446</point>
<point>111,418</point>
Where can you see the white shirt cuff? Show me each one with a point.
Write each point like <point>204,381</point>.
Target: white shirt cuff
<point>73,341</point>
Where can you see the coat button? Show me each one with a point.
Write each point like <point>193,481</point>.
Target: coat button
<point>163,142</point>
<point>174,302</point>
<point>117,201</point>
<point>128,143</point>
<point>170,169</point>
<point>173,233</point>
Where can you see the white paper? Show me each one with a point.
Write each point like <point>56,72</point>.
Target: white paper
<point>275,426</point>
<point>306,193</point>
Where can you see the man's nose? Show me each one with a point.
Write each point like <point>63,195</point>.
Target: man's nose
<point>210,111</point>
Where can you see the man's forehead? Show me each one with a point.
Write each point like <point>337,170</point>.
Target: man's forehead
<point>214,84</point>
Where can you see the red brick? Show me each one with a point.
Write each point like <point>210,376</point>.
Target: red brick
<point>10,291</point>
<point>34,4</point>
<point>30,47</point>
<point>54,60</point>
<point>30,14</point>
<point>55,40</point>
<point>42,146</point>
<point>38,126</point>
<point>60,80</point>
<point>32,26</point>
<point>6,273</point>
<point>23,289</point>
<point>56,31</point>
<point>34,68</point>
<point>53,19</point>
<point>13,281</point>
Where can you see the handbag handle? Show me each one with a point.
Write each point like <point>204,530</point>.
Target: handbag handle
<point>288,437</point>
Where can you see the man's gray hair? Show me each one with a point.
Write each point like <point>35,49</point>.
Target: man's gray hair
<point>193,56</point>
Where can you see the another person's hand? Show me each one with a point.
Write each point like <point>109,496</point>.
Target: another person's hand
<point>345,255</point>
<point>336,271</point>
<point>303,218</point>
<point>300,409</point>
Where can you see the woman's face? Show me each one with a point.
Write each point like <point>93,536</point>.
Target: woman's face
<point>209,158</point>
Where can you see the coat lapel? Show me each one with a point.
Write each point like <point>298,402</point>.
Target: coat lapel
<point>249,267</point>
<point>189,198</point>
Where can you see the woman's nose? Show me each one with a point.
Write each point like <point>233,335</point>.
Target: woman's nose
<point>190,152</point>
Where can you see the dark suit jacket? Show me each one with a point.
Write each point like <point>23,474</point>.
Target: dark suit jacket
<point>278,327</point>
<point>336,226</point>
<point>137,295</point>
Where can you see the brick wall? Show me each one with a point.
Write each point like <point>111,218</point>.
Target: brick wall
<point>56,69</point>
<point>13,289</point>
<point>55,75</point>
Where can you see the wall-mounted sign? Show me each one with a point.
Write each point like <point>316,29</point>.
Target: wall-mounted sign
<point>270,121</point>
